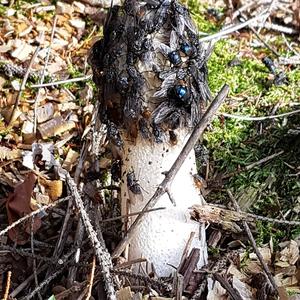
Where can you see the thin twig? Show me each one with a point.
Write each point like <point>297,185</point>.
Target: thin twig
<point>146,279</point>
<point>60,243</point>
<point>34,260</point>
<point>250,118</point>
<point>263,160</point>
<point>255,164</point>
<point>43,73</point>
<point>22,252</point>
<point>197,132</point>
<point>234,294</point>
<point>257,34</point>
<point>232,29</point>
<point>77,244</point>
<point>2,232</point>
<point>101,252</point>
<point>252,240</point>
<point>83,78</point>
<point>7,286</point>
<point>22,87</point>
<point>44,283</point>
<point>66,261</point>
<point>289,45</point>
<point>91,281</point>
<point>20,288</point>
<point>269,10</point>
<point>131,215</point>
<point>276,27</point>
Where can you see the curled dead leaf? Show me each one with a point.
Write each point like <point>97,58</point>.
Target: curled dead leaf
<point>53,188</point>
<point>17,206</point>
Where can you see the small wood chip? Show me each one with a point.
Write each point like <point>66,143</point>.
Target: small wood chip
<point>77,23</point>
<point>55,126</point>
<point>64,8</point>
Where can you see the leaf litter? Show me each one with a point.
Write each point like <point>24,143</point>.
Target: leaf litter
<point>51,128</point>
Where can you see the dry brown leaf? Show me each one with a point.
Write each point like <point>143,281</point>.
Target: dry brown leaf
<point>296,11</point>
<point>45,112</point>
<point>7,153</point>
<point>252,267</point>
<point>42,199</point>
<point>17,206</point>
<point>124,294</point>
<point>22,50</point>
<point>54,188</point>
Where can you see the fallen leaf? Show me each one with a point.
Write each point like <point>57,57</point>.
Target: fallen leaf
<point>54,188</point>
<point>7,153</point>
<point>17,206</point>
<point>45,112</point>
<point>64,8</point>
<point>124,294</point>
<point>22,51</point>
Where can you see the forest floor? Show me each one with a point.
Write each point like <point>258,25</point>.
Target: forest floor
<point>250,152</point>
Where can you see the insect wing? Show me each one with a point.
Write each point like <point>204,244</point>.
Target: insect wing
<point>161,113</point>
<point>173,40</point>
<point>161,47</point>
<point>166,84</point>
<point>135,198</point>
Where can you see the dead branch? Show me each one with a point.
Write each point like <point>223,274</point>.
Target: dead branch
<point>101,252</point>
<point>250,118</point>
<point>234,294</point>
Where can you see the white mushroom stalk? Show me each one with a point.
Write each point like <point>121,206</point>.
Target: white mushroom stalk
<point>163,235</point>
<point>151,72</point>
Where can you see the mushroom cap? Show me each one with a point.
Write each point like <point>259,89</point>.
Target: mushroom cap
<point>150,69</point>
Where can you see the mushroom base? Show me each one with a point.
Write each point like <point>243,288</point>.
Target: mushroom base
<point>163,234</point>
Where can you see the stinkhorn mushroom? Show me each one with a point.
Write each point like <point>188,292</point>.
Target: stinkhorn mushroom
<point>151,72</point>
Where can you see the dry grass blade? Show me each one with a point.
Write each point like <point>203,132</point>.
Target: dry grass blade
<point>7,285</point>
<point>91,281</point>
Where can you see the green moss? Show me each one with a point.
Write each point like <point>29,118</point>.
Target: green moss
<point>198,10</point>
<point>234,144</point>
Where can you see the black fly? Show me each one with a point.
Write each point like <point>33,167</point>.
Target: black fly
<point>116,170</point>
<point>268,62</point>
<point>279,77</point>
<point>132,183</point>
<point>113,135</point>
